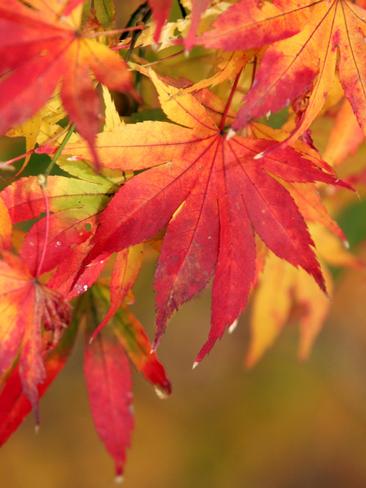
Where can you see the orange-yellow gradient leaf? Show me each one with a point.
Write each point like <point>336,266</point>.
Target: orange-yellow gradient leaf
<point>285,292</point>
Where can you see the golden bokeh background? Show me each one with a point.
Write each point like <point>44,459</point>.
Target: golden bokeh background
<point>284,424</point>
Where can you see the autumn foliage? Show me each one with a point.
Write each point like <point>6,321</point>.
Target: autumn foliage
<point>215,170</point>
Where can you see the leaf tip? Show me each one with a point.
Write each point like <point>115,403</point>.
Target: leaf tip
<point>233,326</point>
<point>118,479</point>
<point>195,364</point>
<point>160,393</point>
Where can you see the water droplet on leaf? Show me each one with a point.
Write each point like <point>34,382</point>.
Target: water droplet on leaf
<point>233,326</point>
<point>160,393</point>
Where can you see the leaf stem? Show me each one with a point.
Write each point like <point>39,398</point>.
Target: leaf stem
<point>113,32</point>
<point>255,63</point>
<point>229,100</point>
<point>58,152</point>
<point>42,182</point>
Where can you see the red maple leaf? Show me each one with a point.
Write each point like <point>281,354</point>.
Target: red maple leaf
<point>14,404</point>
<point>213,195</point>
<point>42,44</point>
<point>109,386</point>
<point>315,41</point>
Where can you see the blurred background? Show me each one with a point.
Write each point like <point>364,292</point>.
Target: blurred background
<point>283,424</point>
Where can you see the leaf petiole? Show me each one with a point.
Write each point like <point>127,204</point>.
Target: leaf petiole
<point>58,153</point>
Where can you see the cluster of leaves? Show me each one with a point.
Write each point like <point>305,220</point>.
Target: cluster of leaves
<point>186,167</point>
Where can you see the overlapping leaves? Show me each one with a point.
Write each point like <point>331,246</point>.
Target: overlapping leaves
<point>228,207</point>
<point>214,197</point>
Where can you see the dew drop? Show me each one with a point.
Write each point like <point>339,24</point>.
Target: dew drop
<point>58,243</point>
<point>81,288</point>
<point>259,155</point>
<point>346,244</point>
<point>233,326</point>
<point>42,180</point>
<point>72,158</point>
<point>195,364</point>
<point>36,429</point>
<point>160,393</point>
<point>268,114</point>
<point>118,479</point>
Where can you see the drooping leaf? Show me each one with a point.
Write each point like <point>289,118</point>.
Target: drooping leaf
<point>198,7</point>
<point>160,10</point>
<point>14,404</point>
<point>125,271</point>
<point>34,318</point>
<point>109,386</point>
<point>131,334</point>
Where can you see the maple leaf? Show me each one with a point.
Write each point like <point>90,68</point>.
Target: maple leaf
<point>41,44</point>
<point>160,10</point>
<point>345,137</point>
<point>70,206</point>
<point>109,386</point>
<point>34,318</point>
<point>106,365</point>
<point>213,195</point>
<point>332,40</point>
<point>284,292</point>
<point>14,404</point>
<point>249,24</point>
<point>127,328</point>
<point>124,273</point>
